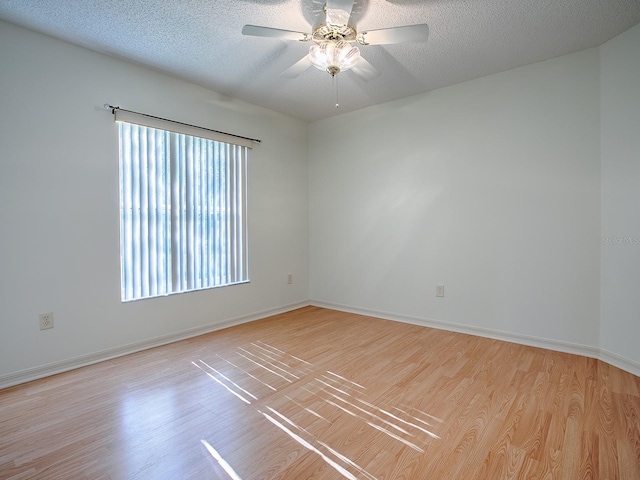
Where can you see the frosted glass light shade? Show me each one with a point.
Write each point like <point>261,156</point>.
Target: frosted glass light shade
<point>334,56</point>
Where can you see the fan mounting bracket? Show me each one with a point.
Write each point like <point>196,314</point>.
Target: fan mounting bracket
<point>361,39</point>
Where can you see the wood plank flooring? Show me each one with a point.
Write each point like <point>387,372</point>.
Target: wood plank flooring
<point>320,394</point>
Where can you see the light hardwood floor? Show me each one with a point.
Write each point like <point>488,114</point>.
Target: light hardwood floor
<point>319,394</point>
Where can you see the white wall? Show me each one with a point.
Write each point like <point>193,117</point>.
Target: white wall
<point>620,324</point>
<point>59,204</point>
<point>490,187</point>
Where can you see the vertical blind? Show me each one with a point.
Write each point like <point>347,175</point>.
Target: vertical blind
<point>183,205</point>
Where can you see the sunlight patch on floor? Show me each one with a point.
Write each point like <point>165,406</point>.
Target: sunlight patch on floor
<point>221,461</point>
<point>315,402</point>
<point>339,468</point>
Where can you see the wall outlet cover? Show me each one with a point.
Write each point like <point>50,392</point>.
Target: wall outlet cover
<point>46,321</point>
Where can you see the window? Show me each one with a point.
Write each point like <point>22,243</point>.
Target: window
<point>183,210</point>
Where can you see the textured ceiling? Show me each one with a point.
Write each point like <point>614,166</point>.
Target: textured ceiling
<point>201,41</point>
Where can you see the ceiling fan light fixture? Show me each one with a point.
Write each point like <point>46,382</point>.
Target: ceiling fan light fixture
<point>334,57</point>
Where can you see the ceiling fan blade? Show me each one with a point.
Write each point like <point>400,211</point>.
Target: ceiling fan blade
<point>257,31</point>
<point>364,70</point>
<point>297,68</point>
<point>339,11</point>
<point>407,34</point>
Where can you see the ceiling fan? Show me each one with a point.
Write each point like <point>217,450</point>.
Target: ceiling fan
<point>332,50</point>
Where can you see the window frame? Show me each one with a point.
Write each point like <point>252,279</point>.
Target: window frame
<point>181,179</point>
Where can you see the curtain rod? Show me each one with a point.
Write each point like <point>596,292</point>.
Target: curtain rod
<point>113,111</point>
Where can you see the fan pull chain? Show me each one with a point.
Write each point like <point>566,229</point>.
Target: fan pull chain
<point>335,80</point>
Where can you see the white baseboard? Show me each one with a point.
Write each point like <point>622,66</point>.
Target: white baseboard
<point>529,340</point>
<point>24,376</point>
<point>27,375</point>
<point>620,362</point>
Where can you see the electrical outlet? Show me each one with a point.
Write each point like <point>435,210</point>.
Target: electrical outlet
<point>290,278</point>
<point>46,321</point>
<point>439,290</point>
